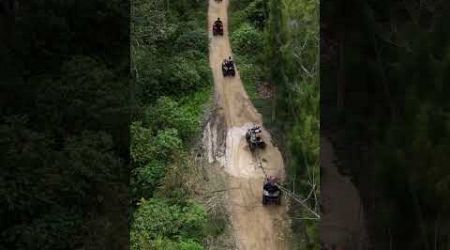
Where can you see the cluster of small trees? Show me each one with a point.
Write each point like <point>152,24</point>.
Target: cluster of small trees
<point>169,62</point>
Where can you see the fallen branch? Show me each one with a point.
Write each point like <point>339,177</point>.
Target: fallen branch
<point>294,197</point>
<point>303,218</point>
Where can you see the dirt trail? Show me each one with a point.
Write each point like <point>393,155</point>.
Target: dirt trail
<point>342,222</point>
<point>255,227</point>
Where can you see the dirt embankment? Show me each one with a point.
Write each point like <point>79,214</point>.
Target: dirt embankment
<point>254,227</point>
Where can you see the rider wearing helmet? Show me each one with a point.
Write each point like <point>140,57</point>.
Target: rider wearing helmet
<point>270,185</point>
<point>230,62</point>
<point>225,62</point>
<point>217,23</point>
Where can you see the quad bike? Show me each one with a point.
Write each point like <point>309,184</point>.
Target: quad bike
<point>253,138</point>
<point>218,28</point>
<point>228,68</point>
<point>271,192</point>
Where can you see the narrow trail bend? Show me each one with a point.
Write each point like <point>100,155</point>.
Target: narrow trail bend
<point>254,227</point>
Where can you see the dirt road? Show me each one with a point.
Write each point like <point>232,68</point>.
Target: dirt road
<point>255,227</point>
<point>342,222</point>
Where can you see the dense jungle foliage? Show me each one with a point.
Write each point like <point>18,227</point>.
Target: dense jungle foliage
<point>169,45</point>
<point>385,72</point>
<point>64,124</point>
<point>278,42</point>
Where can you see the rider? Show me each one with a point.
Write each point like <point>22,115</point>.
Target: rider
<point>256,129</point>
<point>217,25</point>
<point>218,21</point>
<point>270,185</point>
<point>225,63</point>
<point>230,62</point>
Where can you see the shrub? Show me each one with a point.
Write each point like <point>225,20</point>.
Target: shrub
<point>145,179</point>
<point>166,113</point>
<point>193,40</point>
<point>157,222</point>
<point>255,13</point>
<point>181,76</point>
<point>167,142</point>
<point>141,149</point>
<point>247,40</point>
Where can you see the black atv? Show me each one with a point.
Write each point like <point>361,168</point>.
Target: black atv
<point>217,28</point>
<point>271,193</point>
<point>228,69</point>
<point>253,137</point>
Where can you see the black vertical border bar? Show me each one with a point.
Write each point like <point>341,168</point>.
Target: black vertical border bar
<point>64,129</point>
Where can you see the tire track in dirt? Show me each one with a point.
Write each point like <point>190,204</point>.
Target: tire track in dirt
<point>255,227</point>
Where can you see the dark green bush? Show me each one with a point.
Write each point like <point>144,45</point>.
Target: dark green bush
<point>256,13</point>
<point>156,219</point>
<point>247,40</point>
<point>145,179</point>
<point>193,40</point>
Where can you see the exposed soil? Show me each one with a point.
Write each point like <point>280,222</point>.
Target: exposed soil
<point>254,226</point>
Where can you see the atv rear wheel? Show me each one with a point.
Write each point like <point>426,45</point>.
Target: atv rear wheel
<point>278,202</point>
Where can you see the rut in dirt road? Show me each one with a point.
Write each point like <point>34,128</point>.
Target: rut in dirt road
<point>255,227</point>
